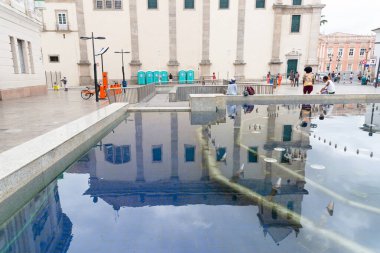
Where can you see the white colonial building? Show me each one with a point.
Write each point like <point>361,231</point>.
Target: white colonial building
<point>240,38</point>
<point>21,68</point>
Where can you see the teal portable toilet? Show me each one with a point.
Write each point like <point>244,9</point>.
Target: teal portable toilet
<point>149,77</point>
<point>164,77</point>
<point>156,76</point>
<point>141,78</point>
<point>190,76</point>
<point>182,77</point>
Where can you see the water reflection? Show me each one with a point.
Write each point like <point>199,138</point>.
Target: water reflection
<point>39,227</point>
<point>138,167</point>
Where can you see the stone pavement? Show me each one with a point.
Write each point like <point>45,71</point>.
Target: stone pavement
<point>26,118</point>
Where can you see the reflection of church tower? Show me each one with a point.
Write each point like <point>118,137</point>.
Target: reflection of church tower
<point>49,229</point>
<point>236,151</point>
<point>139,147</point>
<point>174,145</point>
<point>290,194</point>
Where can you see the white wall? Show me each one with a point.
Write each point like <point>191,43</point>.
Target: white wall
<point>16,24</point>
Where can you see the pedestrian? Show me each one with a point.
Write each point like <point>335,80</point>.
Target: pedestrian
<point>268,77</point>
<point>338,77</point>
<point>64,82</point>
<point>329,86</point>
<point>351,77</point>
<point>329,76</point>
<point>159,79</point>
<point>170,77</point>
<point>279,79</point>
<point>291,77</point>
<point>213,78</point>
<point>297,78</point>
<point>333,76</point>
<point>232,88</point>
<point>308,80</point>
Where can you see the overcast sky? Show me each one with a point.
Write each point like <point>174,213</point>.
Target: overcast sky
<point>351,16</point>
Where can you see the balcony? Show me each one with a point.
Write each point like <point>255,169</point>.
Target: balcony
<point>62,27</point>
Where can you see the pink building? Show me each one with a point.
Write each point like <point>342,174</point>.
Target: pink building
<point>343,52</point>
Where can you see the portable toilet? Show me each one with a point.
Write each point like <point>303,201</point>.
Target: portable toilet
<point>156,76</point>
<point>190,76</point>
<point>164,77</point>
<point>182,77</point>
<point>149,77</point>
<point>141,78</point>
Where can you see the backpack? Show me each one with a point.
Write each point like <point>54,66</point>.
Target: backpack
<point>250,90</point>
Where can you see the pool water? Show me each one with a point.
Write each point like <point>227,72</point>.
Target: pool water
<point>260,178</point>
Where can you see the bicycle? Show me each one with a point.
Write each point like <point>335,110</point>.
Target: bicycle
<point>87,93</point>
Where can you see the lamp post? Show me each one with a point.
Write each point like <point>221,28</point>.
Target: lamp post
<point>102,51</point>
<point>93,54</point>
<point>330,57</point>
<point>366,58</point>
<point>338,59</point>
<point>122,52</point>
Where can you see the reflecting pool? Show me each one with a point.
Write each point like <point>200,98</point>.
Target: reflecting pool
<point>258,178</point>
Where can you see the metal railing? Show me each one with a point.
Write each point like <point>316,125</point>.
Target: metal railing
<point>131,95</point>
<point>259,88</point>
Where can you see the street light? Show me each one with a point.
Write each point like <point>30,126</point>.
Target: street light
<point>102,51</point>
<point>122,52</point>
<point>338,59</point>
<point>366,58</point>
<point>93,54</point>
<point>330,57</point>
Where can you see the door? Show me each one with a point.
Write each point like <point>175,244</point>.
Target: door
<point>292,65</point>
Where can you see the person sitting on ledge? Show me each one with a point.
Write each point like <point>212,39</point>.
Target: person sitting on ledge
<point>329,86</point>
<point>232,88</point>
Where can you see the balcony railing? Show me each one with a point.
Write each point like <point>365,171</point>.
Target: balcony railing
<point>62,27</point>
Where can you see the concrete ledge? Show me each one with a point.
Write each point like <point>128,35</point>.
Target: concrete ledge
<point>6,94</point>
<point>28,168</point>
<point>158,109</point>
<point>215,102</point>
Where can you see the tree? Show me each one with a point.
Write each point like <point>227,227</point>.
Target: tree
<point>323,20</point>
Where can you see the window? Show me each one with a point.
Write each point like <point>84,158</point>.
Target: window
<point>297,2</point>
<point>117,154</point>
<point>62,23</point>
<point>349,67</point>
<point>20,48</point>
<point>189,4</point>
<point>329,51</point>
<point>340,52</point>
<point>220,153</point>
<point>14,55</point>
<point>224,4</point>
<point>260,3</point>
<point>152,4</point>
<point>53,58</point>
<point>157,153</point>
<point>31,57</point>
<point>287,133</point>
<point>99,4</point>
<point>117,4</point>
<point>108,4</point>
<point>362,51</point>
<point>189,153</point>
<point>296,22</point>
<point>351,52</point>
<point>252,154</point>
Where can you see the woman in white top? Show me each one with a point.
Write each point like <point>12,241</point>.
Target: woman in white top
<point>329,87</point>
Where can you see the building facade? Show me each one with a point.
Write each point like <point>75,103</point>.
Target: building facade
<point>221,36</point>
<point>377,54</point>
<point>21,67</point>
<point>345,52</point>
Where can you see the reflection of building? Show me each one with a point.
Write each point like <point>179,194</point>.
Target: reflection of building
<point>39,227</point>
<point>187,35</point>
<point>372,120</point>
<point>344,52</point>
<point>145,164</point>
<point>21,67</point>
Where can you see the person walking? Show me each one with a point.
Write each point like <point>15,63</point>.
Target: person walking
<point>279,79</point>
<point>308,80</point>
<point>338,77</point>
<point>329,87</point>
<point>170,77</point>
<point>64,82</point>
<point>268,78</point>
<point>291,77</point>
<point>213,78</point>
<point>297,78</point>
